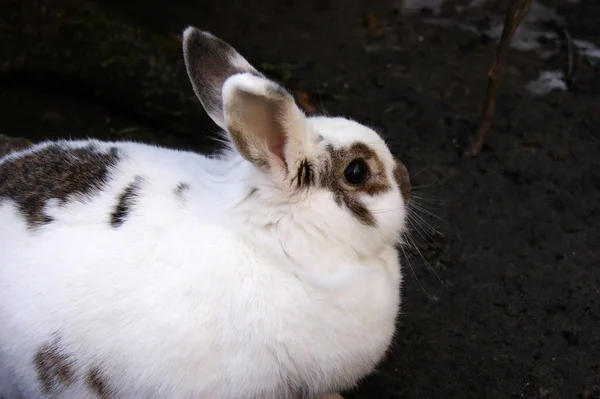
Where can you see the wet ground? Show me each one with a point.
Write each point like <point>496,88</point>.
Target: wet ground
<point>503,300</point>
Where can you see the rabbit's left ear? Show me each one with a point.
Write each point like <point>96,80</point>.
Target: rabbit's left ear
<point>262,118</point>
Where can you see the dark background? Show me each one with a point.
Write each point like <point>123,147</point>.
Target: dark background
<point>510,304</point>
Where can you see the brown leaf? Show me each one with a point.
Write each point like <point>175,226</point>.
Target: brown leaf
<point>304,99</point>
<point>372,22</point>
<point>175,36</point>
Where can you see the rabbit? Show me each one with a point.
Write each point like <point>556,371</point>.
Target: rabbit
<point>269,269</point>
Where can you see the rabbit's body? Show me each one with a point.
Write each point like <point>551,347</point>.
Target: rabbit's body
<point>132,271</point>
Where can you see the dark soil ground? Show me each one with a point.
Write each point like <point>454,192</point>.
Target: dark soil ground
<point>510,304</point>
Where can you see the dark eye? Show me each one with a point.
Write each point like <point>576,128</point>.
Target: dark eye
<point>356,172</point>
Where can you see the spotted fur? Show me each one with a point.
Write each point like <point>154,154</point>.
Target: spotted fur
<point>52,171</point>
<point>97,383</point>
<point>54,367</point>
<point>125,202</point>
<point>181,189</point>
<point>304,174</point>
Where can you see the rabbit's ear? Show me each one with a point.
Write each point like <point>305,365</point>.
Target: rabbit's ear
<point>262,118</point>
<point>265,124</point>
<point>209,61</point>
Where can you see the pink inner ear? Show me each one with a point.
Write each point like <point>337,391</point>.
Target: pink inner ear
<point>275,133</point>
<point>276,147</point>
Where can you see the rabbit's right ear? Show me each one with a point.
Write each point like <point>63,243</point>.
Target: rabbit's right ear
<point>262,119</point>
<point>210,62</point>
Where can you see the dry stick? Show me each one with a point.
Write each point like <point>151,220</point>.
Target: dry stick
<point>511,23</point>
<point>569,74</point>
<point>520,17</point>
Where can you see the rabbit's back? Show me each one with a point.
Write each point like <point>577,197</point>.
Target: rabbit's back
<point>99,184</point>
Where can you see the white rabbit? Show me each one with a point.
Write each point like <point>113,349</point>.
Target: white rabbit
<point>269,270</point>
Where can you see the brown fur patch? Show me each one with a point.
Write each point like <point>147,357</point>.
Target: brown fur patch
<point>54,172</point>
<point>53,367</point>
<point>304,174</point>
<point>180,190</point>
<point>403,180</point>
<point>347,194</point>
<point>98,384</point>
<point>125,202</point>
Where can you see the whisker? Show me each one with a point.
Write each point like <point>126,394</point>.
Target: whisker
<point>219,140</point>
<point>422,214</point>
<point>415,213</point>
<point>420,187</point>
<point>423,257</point>
<point>423,203</point>
<point>421,220</point>
<point>425,236</point>
<point>323,110</point>
<point>415,174</point>
<point>422,224</point>
<point>427,213</point>
<point>380,211</point>
<point>432,201</point>
<point>412,270</point>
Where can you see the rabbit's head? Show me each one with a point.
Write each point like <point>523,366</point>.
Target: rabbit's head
<point>343,171</point>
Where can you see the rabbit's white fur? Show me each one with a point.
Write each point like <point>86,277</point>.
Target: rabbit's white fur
<point>222,294</point>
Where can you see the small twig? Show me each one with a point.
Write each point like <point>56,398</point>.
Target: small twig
<point>511,23</point>
<point>519,18</point>
<point>570,62</point>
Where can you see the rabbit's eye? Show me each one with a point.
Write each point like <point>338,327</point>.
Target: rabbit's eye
<point>356,172</point>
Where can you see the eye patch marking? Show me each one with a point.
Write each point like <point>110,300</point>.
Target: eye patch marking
<point>348,195</point>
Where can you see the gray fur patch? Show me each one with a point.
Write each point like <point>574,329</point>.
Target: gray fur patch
<point>305,174</point>
<point>97,383</point>
<point>53,366</point>
<point>181,189</point>
<point>125,202</point>
<point>54,172</point>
